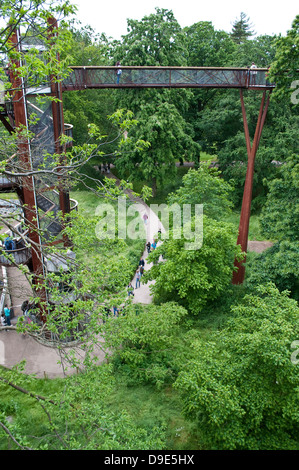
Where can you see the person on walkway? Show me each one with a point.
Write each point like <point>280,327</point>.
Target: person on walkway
<point>148,247</point>
<point>145,217</point>
<point>141,269</point>
<point>25,307</point>
<point>138,277</point>
<point>115,311</point>
<point>154,245</point>
<point>130,290</point>
<point>118,72</point>
<point>141,262</point>
<point>7,315</point>
<point>106,313</point>
<point>253,73</point>
<point>8,244</point>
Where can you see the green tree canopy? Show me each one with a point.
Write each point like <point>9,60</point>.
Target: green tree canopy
<point>280,215</point>
<point>284,68</point>
<point>192,277</point>
<point>204,186</point>
<point>233,387</point>
<point>278,264</point>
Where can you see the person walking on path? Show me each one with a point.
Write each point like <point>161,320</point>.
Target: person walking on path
<point>141,262</point>
<point>148,247</point>
<point>115,310</point>
<point>130,290</point>
<point>7,315</point>
<point>138,277</point>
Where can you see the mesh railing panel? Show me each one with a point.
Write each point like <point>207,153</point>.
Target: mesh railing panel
<point>105,77</point>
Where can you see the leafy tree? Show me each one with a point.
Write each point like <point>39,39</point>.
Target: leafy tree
<point>193,276</point>
<point>241,30</point>
<point>233,386</point>
<point>155,40</point>
<point>284,68</point>
<point>280,215</point>
<point>77,416</point>
<point>207,47</point>
<point>161,125</point>
<point>261,50</point>
<point>31,17</point>
<point>89,106</point>
<point>232,155</point>
<point>145,342</point>
<point>204,186</point>
<point>278,264</point>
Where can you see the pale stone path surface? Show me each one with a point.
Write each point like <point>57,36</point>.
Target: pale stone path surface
<point>142,294</point>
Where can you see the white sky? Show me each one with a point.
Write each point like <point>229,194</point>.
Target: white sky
<point>110,16</point>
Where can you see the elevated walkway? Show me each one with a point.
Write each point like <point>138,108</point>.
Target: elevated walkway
<point>82,78</point>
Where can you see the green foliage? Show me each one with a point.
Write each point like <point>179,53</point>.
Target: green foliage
<point>145,340</point>
<point>280,215</point>
<point>204,186</point>
<point>31,18</point>
<point>77,416</point>
<point>233,386</point>
<point>155,40</point>
<point>194,276</point>
<point>233,364</point>
<point>160,124</point>
<point>278,264</point>
<point>284,69</point>
<point>207,47</point>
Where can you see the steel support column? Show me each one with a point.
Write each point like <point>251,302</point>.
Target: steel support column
<point>28,192</point>
<point>239,275</point>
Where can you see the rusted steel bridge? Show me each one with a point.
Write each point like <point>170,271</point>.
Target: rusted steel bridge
<point>82,78</point>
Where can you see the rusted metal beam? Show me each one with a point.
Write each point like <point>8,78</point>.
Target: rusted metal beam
<point>30,209</point>
<point>239,275</point>
<point>6,124</point>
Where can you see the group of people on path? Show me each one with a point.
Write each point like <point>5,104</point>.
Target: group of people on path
<point>139,273</point>
<point>8,313</point>
<point>105,168</point>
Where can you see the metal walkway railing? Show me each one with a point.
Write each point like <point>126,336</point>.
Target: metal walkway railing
<point>82,78</point>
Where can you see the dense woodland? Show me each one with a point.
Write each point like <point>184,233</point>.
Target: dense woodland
<point>208,364</point>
